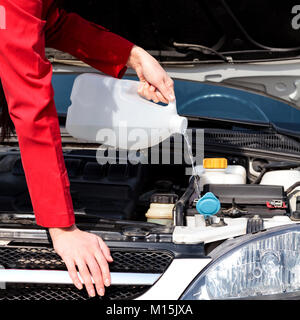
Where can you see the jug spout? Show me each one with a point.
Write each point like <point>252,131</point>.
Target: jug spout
<point>178,124</point>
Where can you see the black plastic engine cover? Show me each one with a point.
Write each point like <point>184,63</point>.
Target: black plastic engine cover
<point>108,191</point>
<point>246,194</point>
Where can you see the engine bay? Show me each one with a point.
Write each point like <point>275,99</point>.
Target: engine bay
<point>253,194</point>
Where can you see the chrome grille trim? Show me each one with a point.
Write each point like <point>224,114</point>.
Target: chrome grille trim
<point>62,277</point>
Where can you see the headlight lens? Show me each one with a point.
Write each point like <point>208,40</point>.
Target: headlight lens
<point>255,266</point>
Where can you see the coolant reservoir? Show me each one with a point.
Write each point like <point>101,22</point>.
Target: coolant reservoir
<point>111,112</point>
<point>217,171</point>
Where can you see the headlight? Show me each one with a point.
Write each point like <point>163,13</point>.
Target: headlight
<point>259,266</point>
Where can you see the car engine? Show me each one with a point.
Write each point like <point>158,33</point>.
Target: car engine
<point>252,194</point>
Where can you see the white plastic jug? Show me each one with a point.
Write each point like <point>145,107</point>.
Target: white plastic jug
<point>111,112</point>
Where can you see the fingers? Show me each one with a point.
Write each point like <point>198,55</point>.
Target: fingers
<point>91,268</point>
<point>166,87</point>
<point>163,93</point>
<point>89,253</point>
<point>73,273</point>
<point>157,96</point>
<point>104,268</point>
<point>86,277</point>
<point>102,258</point>
<point>105,250</point>
<point>140,88</point>
<point>97,274</point>
<point>150,93</point>
<point>161,98</point>
<point>146,92</point>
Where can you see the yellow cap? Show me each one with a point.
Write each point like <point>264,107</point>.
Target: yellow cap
<point>215,163</point>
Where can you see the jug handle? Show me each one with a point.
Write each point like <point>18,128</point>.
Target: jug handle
<point>171,106</point>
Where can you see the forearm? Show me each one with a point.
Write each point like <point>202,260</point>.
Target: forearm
<point>89,42</point>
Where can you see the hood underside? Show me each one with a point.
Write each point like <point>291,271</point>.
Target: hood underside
<point>239,44</point>
<point>243,30</point>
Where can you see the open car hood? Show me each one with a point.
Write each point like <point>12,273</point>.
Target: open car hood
<point>241,30</point>
<point>238,43</point>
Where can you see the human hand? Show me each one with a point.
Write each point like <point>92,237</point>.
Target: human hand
<point>155,83</point>
<point>86,251</point>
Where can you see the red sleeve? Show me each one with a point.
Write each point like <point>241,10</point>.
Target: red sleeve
<point>26,77</point>
<point>87,41</point>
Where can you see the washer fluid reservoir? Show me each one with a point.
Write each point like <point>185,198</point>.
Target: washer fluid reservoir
<point>208,205</point>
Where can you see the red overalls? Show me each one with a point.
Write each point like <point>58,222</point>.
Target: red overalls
<point>26,77</point>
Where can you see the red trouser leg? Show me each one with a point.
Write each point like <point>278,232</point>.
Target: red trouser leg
<point>26,78</point>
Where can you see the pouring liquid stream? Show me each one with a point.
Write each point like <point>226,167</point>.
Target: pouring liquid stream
<point>191,156</point>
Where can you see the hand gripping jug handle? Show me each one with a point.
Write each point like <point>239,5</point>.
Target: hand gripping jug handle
<point>134,89</point>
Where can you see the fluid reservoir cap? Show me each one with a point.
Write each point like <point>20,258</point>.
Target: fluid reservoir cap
<point>208,205</point>
<point>215,163</point>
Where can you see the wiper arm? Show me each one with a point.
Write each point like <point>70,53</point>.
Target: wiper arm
<point>203,50</point>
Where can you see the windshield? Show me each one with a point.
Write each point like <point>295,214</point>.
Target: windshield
<point>208,100</point>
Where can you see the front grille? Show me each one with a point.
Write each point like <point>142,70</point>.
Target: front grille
<point>125,260</point>
<point>15,292</point>
<point>251,140</point>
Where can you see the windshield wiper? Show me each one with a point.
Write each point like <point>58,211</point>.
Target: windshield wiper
<point>203,49</point>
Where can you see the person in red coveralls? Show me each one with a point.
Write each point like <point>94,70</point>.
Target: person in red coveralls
<point>27,27</point>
